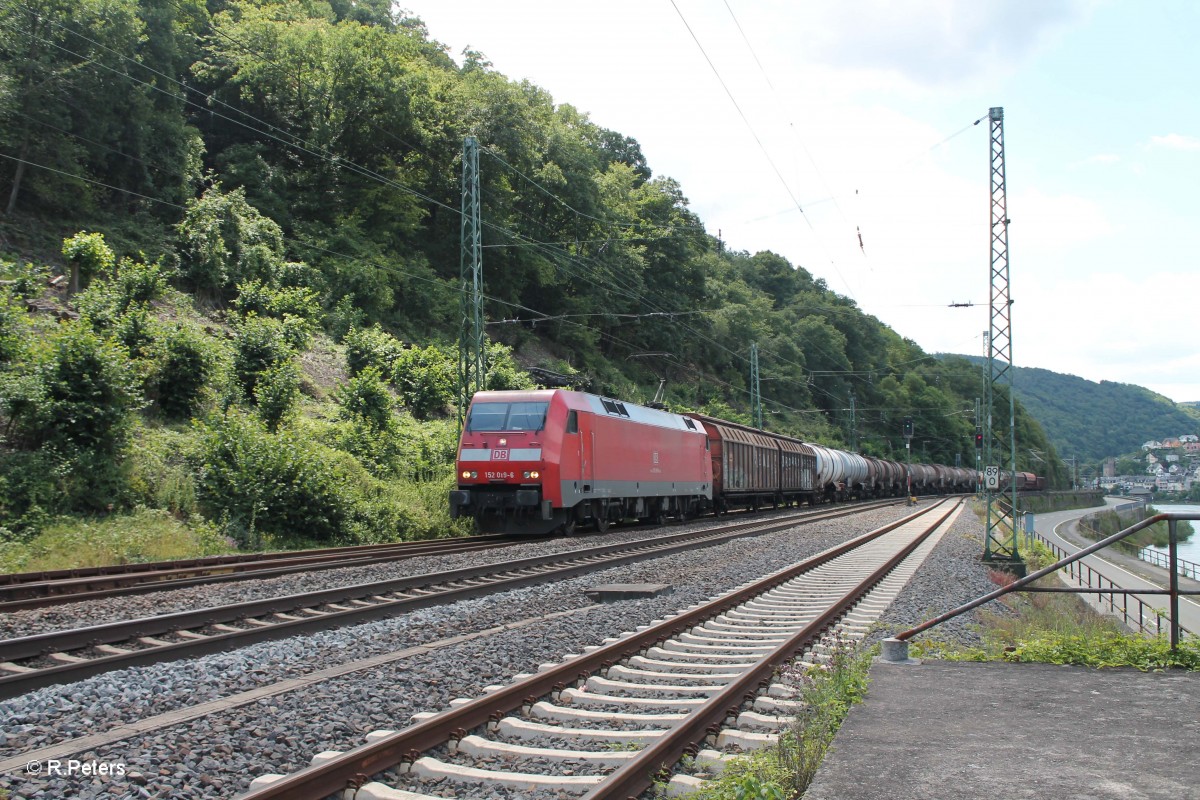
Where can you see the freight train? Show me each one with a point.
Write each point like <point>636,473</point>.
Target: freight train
<point>551,459</point>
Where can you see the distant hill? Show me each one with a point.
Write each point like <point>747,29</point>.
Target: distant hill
<point>1092,421</point>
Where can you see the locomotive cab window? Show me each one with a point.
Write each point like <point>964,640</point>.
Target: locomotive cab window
<point>573,422</point>
<point>507,417</point>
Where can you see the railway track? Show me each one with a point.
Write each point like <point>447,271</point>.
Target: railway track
<point>25,590</point>
<point>30,662</point>
<point>690,684</point>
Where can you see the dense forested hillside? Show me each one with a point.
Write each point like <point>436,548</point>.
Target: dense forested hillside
<point>257,206</point>
<point>1093,421</point>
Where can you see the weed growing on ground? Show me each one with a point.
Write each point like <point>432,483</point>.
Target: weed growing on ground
<point>144,535</point>
<point>827,691</point>
<point>1060,629</point>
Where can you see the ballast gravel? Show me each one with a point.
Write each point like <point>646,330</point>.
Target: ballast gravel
<point>219,754</point>
<point>136,606</point>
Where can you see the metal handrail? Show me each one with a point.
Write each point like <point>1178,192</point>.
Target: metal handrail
<point>1188,569</point>
<point>894,653</point>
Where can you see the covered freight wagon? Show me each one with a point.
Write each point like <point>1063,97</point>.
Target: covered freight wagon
<point>753,468</point>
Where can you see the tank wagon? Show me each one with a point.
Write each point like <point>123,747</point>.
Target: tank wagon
<point>554,459</point>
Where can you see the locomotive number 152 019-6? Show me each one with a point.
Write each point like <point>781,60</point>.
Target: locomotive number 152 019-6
<point>496,475</point>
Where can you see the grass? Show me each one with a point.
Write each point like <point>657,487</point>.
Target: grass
<point>1060,629</point>
<point>143,535</point>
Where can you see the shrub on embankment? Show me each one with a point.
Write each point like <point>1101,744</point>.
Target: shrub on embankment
<point>1060,501</point>
<point>1105,523</point>
<point>244,424</point>
<point>1058,628</point>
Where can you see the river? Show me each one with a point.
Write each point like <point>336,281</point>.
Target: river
<point>1189,550</point>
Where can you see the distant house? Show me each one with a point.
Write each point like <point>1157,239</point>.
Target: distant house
<point>1171,457</point>
<point>1189,437</point>
<point>1191,447</point>
<point>1171,442</point>
<point>1151,445</point>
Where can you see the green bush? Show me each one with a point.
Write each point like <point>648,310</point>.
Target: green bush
<point>503,372</point>
<point>88,393</point>
<point>371,347</point>
<point>161,470</point>
<point>185,361</point>
<point>14,329</point>
<point>262,346</point>
<point>281,485</point>
<point>108,302</point>
<point>28,279</point>
<point>427,449</point>
<point>31,492</point>
<point>365,397</point>
<point>74,408</point>
<point>138,282</point>
<point>267,301</point>
<point>425,378</point>
<point>297,307</point>
<point>276,393</point>
<point>136,330</point>
<point>343,318</point>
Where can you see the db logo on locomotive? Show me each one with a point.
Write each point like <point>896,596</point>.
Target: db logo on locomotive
<point>499,455</point>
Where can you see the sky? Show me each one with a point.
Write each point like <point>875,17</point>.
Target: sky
<point>794,127</point>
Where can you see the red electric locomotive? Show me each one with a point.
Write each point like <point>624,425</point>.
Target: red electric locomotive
<point>536,461</point>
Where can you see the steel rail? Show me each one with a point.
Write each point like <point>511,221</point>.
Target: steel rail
<point>22,595</point>
<point>354,767</point>
<point>637,775</point>
<point>414,592</point>
<point>28,590</point>
<point>13,578</point>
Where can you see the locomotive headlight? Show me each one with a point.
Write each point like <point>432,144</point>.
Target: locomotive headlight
<point>532,474</point>
<point>468,474</point>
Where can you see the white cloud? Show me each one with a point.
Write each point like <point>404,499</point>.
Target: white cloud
<point>1099,158</point>
<point>1051,223</point>
<point>1175,141</point>
<point>929,42</point>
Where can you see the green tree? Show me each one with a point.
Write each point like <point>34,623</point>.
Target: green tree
<point>89,255</point>
<point>82,103</point>
<point>224,241</point>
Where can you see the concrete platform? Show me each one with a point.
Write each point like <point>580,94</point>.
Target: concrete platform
<point>953,731</point>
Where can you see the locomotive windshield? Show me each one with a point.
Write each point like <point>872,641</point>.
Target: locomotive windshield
<point>507,417</point>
